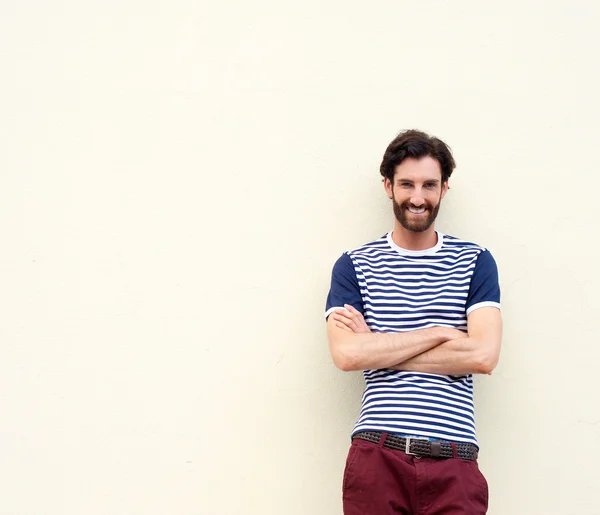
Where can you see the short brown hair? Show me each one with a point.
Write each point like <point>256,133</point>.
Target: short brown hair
<point>416,144</point>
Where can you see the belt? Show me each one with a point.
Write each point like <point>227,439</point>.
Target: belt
<point>422,448</point>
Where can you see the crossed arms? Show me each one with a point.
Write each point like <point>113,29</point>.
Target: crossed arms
<point>437,350</point>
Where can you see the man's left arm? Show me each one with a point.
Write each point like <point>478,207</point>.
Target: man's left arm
<point>477,354</point>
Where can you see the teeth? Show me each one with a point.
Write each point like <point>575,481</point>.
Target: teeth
<point>412,210</point>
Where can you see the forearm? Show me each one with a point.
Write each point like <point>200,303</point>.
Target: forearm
<point>454,357</point>
<point>362,351</point>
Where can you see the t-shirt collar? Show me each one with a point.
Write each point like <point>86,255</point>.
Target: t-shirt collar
<point>424,252</point>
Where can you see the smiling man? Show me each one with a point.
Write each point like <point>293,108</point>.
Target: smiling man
<point>419,312</point>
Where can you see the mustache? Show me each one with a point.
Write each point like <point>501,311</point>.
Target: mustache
<point>426,205</point>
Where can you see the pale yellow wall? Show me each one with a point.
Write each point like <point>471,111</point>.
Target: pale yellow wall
<point>177,180</point>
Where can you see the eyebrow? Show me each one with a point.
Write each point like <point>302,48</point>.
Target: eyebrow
<point>435,181</point>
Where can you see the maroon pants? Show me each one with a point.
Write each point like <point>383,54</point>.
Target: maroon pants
<point>378,481</point>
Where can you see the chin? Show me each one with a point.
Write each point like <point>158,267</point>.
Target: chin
<point>416,227</point>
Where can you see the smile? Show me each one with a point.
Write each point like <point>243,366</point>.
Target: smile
<point>416,211</point>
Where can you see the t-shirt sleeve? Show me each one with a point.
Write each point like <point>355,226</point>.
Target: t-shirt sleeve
<point>344,286</point>
<point>484,289</point>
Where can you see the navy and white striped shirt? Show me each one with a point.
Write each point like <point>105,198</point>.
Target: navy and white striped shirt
<point>404,290</point>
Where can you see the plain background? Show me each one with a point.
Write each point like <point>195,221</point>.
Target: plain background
<point>177,180</point>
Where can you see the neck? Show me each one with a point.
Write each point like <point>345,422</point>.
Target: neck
<point>410,240</point>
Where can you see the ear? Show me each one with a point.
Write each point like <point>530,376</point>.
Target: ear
<point>387,185</point>
<point>444,190</point>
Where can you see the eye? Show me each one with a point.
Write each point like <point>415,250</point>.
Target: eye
<point>430,184</point>
<point>405,185</point>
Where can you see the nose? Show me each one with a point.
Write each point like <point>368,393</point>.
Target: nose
<point>417,200</point>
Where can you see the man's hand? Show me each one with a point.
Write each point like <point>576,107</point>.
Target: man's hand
<point>476,354</point>
<point>350,319</point>
<point>354,347</point>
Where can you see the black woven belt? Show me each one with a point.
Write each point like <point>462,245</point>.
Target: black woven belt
<point>422,448</point>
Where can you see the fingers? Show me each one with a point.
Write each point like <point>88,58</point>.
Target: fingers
<point>357,316</point>
<point>351,319</point>
<point>352,309</point>
<point>343,326</point>
<point>342,320</point>
<point>342,316</point>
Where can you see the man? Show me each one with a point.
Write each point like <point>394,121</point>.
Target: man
<point>419,312</point>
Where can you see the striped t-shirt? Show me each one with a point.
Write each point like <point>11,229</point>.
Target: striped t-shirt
<point>404,290</point>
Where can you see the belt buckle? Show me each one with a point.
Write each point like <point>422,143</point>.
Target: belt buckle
<point>408,442</point>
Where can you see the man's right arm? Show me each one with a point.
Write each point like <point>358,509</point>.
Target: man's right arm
<point>363,351</point>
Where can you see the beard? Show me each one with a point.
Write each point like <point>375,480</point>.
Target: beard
<point>415,223</point>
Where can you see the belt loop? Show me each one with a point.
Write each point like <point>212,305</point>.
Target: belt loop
<point>454,450</point>
<point>382,439</point>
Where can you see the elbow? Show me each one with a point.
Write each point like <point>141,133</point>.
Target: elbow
<point>345,362</point>
<point>344,366</point>
<point>486,364</point>
<point>344,358</point>
<point>484,356</point>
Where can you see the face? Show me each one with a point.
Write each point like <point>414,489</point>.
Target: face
<point>417,192</point>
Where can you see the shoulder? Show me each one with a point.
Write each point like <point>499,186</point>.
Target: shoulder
<point>372,251</point>
<point>378,245</point>
<point>477,256</point>
<point>351,262</point>
<point>454,243</point>
<point>465,250</point>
